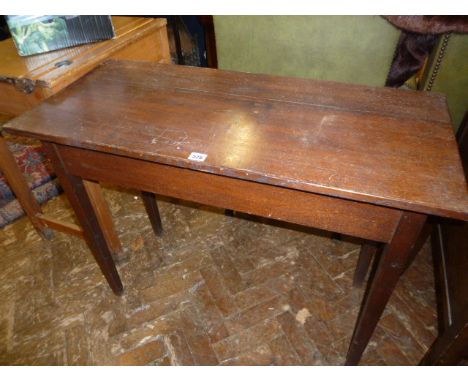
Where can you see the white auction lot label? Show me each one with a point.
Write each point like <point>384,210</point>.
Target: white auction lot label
<point>197,157</point>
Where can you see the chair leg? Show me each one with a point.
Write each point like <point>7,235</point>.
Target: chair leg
<point>151,205</point>
<point>368,252</point>
<point>18,184</point>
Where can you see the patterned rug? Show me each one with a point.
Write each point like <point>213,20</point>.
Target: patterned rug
<point>38,173</point>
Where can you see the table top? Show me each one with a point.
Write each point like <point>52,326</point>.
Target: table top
<point>40,70</point>
<point>378,145</point>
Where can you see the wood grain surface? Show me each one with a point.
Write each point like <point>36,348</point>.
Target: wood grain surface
<point>333,214</point>
<point>382,146</point>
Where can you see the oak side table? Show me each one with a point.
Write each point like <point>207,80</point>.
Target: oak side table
<point>362,161</point>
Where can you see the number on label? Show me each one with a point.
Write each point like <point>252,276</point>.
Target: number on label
<point>197,157</point>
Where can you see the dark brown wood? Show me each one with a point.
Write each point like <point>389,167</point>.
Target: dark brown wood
<point>439,257</point>
<point>451,346</point>
<point>366,255</point>
<point>455,241</point>
<point>450,254</point>
<point>260,128</point>
<point>151,205</point>
<point>174,24</point>
<point>394,260</point>
<point>336,236</point>
<point>210,41</point>
<point>370,250</point>
<point>229,213</point>
<point>104,215</point>
<point>361,161</point>
<point>87,216</point>
<point>420,241</point>
<point>351,218</point>
<point>462,139</point>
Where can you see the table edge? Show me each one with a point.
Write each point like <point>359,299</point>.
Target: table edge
<point>251,176</point>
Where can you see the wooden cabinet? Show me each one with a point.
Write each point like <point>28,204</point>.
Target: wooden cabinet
<point>26,81</point>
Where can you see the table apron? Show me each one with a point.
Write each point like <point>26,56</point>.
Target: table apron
<point>348,217</point>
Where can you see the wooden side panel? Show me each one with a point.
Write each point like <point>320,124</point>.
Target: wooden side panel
<point>149,48</point>
<point>14,102</point>
<point>328,213</point>
<point>165,45</point>
<point>137,39</point>
<point>55,79</point>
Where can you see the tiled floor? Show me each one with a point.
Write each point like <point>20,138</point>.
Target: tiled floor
<point>213,290</point>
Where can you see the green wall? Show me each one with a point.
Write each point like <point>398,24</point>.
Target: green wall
<point>355,49</point>
<point>452,78</point>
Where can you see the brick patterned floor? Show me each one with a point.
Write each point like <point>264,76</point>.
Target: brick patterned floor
<point>214,290</point>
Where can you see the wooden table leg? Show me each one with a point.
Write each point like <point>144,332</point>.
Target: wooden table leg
<point>396,257</point>
<point>104,215</point>
<point>20,187</point>
<point>368,252</point>
<point>451,346</point>
<point>83,206</point>
<point>151,205</point>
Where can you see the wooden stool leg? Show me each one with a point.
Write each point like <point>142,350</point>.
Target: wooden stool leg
<point>151,205</point>
<point>20,187</point>
<point>104,215</point>
<point>396,257</point>
<point>368,252</point>
<point>81,202</point>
